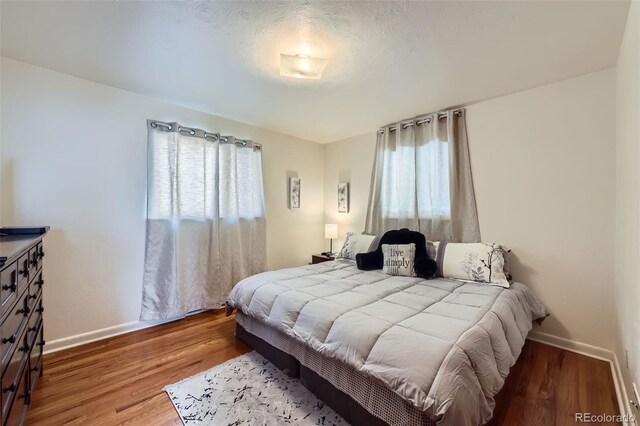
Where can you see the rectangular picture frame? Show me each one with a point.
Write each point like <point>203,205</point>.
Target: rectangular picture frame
<point>343,197</point>
<point>294,192</point>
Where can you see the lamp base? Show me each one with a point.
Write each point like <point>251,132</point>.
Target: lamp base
<point>330,252</point>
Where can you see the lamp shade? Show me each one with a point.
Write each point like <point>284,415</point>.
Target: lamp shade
<point>331,231</point>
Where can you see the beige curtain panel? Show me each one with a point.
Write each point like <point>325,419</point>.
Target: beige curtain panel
<point>421,179</point>
<point>206,226</point>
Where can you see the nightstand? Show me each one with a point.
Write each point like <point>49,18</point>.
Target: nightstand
<point>319,258</point>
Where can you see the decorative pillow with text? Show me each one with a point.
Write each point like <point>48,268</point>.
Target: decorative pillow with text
<point>399,259</point>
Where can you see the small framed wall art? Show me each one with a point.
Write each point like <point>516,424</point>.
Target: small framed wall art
<point>343,198</point>
<point>294,192</point>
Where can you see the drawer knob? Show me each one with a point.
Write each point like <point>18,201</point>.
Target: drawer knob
<point>10,287</point>
<point>11,339</point>
<point>33,296</point>
<point>40,283</point>
<point>36,368</point>
<point>10,388</point>
<point>24,348</point>
<point>34,328</point>
<point>34,262</point>
<point>23,271</point>
<point>41,254</point>
<point>41,343</point>
<point>40,310</point>
<point>24,311</point>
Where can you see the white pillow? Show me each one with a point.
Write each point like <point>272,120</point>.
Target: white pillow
<point>399,259</point>
<point>473,262</point>
<point>357,243</point>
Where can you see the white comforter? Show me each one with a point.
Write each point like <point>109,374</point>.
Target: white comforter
<point>445,346</point>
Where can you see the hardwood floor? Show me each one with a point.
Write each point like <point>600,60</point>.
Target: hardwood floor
<point>120,380</point>
<point>547,386</point>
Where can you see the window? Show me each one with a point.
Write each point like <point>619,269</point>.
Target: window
<point>421,179</point>
<point>417,179</point>
<point>196,178</point>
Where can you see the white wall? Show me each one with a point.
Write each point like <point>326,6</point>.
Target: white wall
<point>627,244</point>
<point>74,157</point>
<point>543,168</point>
<point>349,161</point>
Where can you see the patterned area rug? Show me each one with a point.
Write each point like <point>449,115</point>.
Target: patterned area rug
<point>248,390</point>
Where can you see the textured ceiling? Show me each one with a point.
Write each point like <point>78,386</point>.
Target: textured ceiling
<point>388,60</point>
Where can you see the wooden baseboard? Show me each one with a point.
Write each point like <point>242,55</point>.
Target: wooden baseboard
<point>621,390</point>
<point>104,333</point>
<point>571,345</point>
<point>593,352</point>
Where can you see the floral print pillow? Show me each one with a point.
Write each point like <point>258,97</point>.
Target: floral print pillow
<point>475,262</point>
<point>357,243</point>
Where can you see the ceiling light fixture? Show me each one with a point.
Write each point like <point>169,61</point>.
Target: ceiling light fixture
<point>302,66</point>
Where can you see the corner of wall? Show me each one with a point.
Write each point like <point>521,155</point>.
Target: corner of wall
<point>348,160</point>
<point>627,206</point>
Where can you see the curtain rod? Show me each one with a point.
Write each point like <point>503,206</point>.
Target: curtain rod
<point>175,127</point>
<point>457,112</point>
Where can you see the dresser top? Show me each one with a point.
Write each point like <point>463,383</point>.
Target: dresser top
<point>14,241</point>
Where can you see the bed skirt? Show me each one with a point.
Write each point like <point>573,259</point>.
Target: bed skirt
<point>360,400</point>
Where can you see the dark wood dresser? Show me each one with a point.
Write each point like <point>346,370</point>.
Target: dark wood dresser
<point>21,336</point>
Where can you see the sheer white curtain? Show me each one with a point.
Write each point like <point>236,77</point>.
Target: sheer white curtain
<point>205,219</point>
<point>421,179</point>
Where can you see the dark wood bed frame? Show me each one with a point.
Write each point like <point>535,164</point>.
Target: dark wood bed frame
<point>343,404</point>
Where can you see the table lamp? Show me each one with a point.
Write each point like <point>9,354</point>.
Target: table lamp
<point>330,232</point>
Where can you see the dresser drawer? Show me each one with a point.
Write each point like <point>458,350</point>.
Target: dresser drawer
<point>35,357</point>
<point>35,320</point>
<point>38,346</point>
<point>21,398</point>
<point>11,328</point>
<point>36,284</point>
<point>8,287</point>
<point>35,369</point>
<point>12,374</point>
<point>34,260</point>
<point>24,267</point>
<point>35,290</point>
<point>40,248</point>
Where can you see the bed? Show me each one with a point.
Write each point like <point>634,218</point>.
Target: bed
<point>384,349</point>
